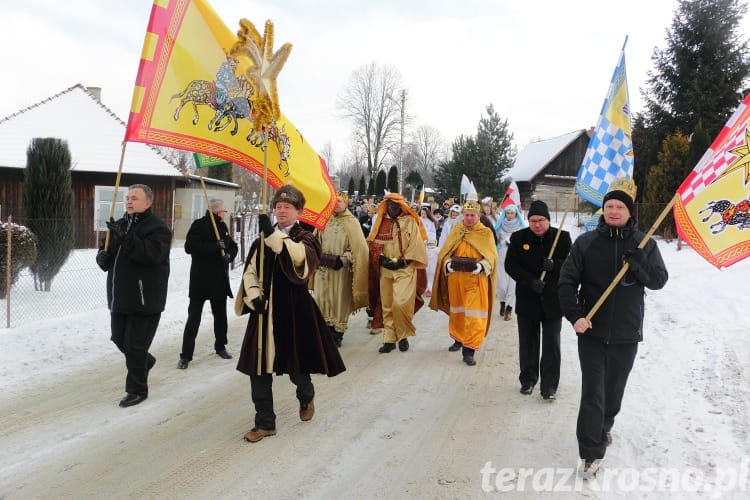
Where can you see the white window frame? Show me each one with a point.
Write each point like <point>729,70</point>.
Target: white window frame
<point>103,205</point>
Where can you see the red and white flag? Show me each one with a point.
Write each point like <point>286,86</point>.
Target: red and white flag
<point>512,196</point>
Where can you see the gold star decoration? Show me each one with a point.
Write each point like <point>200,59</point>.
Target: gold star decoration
<point>261,66</point>
<point>742,160</point>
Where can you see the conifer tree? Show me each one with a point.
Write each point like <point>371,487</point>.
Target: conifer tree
<point>392,179</point>
<point>47,198</point>
<point>350,187</point>
<point>362,185</point>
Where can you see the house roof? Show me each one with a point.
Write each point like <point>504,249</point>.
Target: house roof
<point>535,157</point>
<point>93,132</point>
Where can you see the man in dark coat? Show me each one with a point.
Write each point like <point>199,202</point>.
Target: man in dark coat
<point>608,343</point>
<point>209,279</point>
<point>137,265</point>
<point>296,340</point>
<point>536,275</point>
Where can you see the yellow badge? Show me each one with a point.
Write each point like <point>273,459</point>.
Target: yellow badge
<point>526,246</point>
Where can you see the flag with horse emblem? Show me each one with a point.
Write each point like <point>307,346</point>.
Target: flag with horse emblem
<point>712,210</point>
<point>192,93</point>
<point>609,154</point>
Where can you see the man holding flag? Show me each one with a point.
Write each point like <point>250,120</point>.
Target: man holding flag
<point>608,343</point>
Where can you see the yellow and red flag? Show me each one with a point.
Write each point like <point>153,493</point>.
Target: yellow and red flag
<point>191,94</point>
<point>712,209</point>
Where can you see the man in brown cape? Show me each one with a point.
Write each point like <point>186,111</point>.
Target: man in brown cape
<point>341,280</point>
<point>296,339</point>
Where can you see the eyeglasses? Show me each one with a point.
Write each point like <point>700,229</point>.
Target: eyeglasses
<point>537,221</point>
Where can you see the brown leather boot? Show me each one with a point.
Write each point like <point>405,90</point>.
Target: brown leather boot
<point>508,313</point>
<point>307,411</point>
<point>256,434</point>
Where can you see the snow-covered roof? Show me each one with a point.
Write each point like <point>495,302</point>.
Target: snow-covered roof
<point>536,156</point>
<point>93,132</point>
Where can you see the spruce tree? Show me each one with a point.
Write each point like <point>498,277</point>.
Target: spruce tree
<point>380,184</point>
<point>392,180</point>
<point>362,185</point>
<point>350,187</point>
<point>698,77</point>
<point>47,198</point>
<point>663,179</point>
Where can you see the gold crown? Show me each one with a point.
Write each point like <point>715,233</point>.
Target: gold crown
<point>472,202</point>
<point>627,186</point>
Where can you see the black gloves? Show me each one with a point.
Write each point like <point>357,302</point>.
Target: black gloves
<point>392,265</point>
<point>259,305</point>
<point>338,264</point>
<point>638,263</point>
<point>537,286</point>
<point>226,258</point>
<point>102,260</point>
<point>221,244</point>
<point>264,224</point>
<point>115,229</point>
<point>548,265</point>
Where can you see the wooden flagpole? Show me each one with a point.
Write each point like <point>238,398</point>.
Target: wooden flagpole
<point>625,265</point>
<point>559,230</point>
<point>114,195</point>
<point>262,249</point>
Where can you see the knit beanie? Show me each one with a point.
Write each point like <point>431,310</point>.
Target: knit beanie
<point>623,190</point>
<point>538,208</point>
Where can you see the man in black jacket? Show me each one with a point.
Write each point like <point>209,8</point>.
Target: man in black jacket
<point>608,343</point>
<point>137,265</point>
<point>209,279</point>
<point>536,275</point>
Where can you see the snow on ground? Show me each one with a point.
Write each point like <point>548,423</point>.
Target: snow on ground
<point>418,424</point>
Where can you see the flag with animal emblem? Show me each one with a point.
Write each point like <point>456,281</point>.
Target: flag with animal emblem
<point>609,154</point>
<point>712,209</point>
<point>512,196</point>
<point>200,89</point>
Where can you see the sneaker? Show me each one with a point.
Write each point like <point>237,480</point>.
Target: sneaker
<point>306,411</point>
<point>182,364</point>
<point>456,346</point>
<point>403,345</point>
<point>256,434</point>
<point>589,469</point>
<point>387,347</point>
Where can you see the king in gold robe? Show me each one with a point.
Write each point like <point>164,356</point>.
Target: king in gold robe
<point>465,282</point>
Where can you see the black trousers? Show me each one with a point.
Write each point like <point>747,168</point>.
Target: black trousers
<point>604,374</point>
<point>261,387</point>
<point>133,334</point>
<point>528,352</point>
<point>195,310</point>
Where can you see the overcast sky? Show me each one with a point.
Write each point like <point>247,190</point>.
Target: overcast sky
<point>545,65</point>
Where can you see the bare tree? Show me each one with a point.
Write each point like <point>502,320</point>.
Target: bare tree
<point>327,154</point>
<point>371,101</point>
<point>429,148</point>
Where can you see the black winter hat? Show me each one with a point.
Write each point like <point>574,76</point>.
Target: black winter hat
<point>538,208</point>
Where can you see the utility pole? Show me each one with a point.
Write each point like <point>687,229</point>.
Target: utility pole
<point>401,147</point>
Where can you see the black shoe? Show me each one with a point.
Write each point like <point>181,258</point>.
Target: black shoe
<point>549,396</point>
<point>456,346</point>
<point>132,400</point>
<point>527,388</point>
<point>469,359</point>
<point>403,345</point>
<point>338,338</point>
<point>182,364</point>
<point>502,309</point>
<point>224,354</point>
<point>387,347</point>
<point>151,362</point>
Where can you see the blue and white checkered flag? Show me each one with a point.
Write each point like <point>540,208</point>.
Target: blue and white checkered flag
<point>610,151</point>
